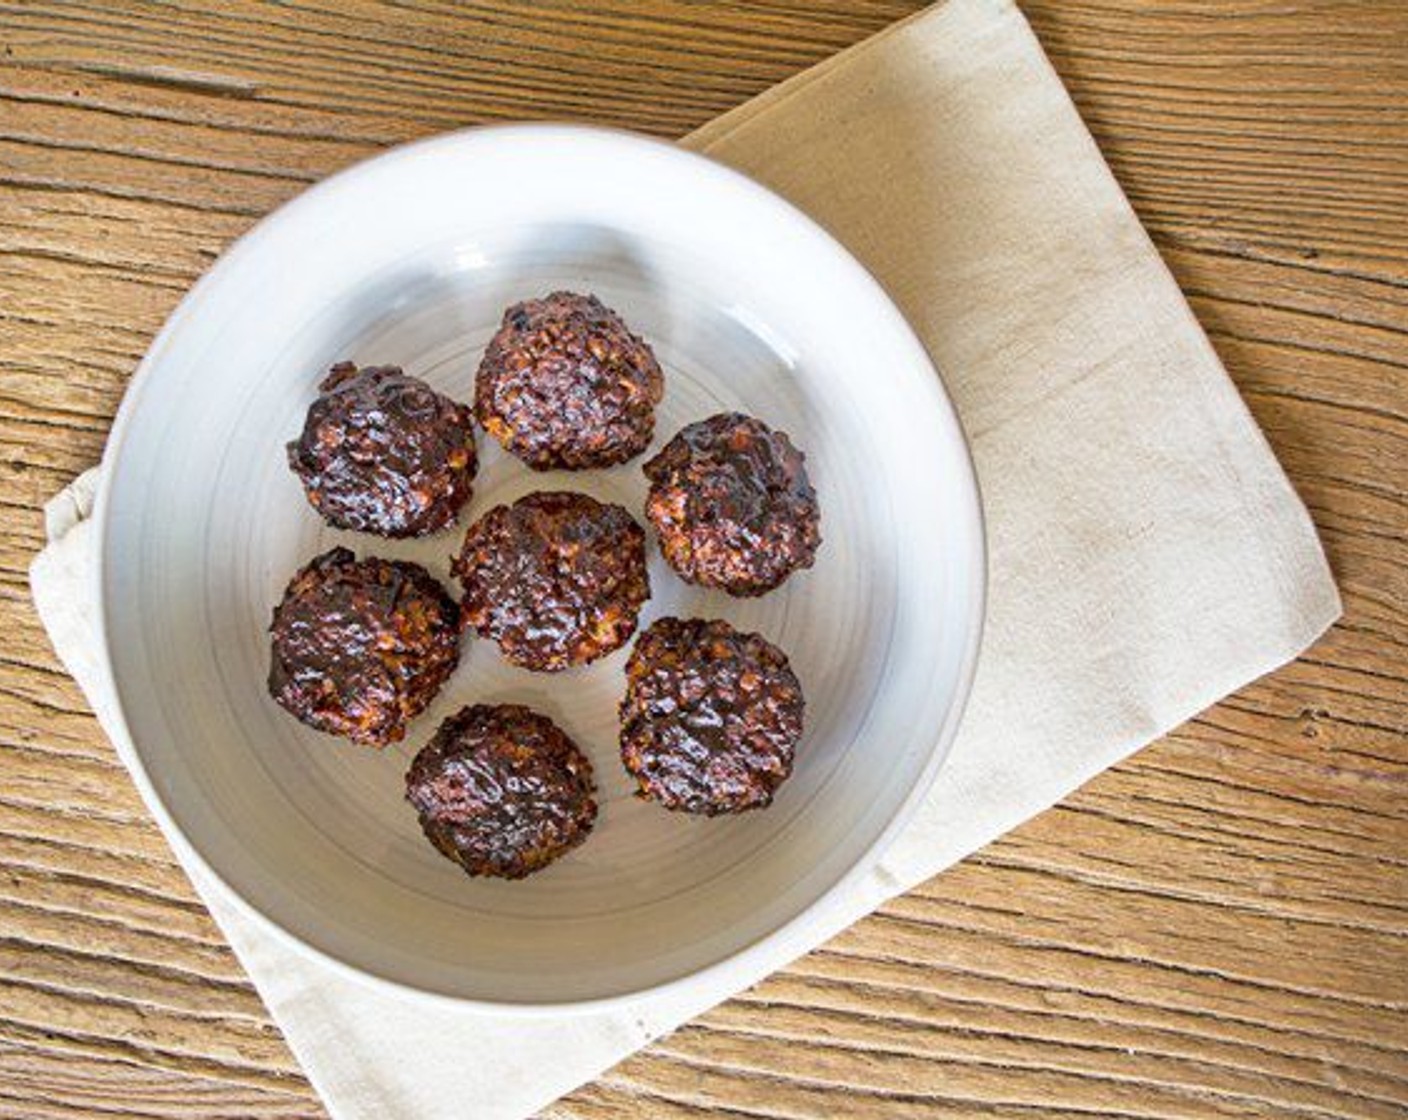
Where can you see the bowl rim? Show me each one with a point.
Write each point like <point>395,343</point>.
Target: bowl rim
<point>737,963</point>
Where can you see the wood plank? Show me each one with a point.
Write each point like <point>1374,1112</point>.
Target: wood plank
<point>1215,928</point>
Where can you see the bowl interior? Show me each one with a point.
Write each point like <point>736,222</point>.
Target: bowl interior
<point>411,260</point>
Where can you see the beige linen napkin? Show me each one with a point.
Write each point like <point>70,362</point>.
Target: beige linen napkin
<point>1147,554</point>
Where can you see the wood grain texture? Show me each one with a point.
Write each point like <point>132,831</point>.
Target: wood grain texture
<point>1219,927</point>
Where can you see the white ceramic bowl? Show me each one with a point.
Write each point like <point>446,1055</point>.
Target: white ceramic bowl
<point>410,259</point>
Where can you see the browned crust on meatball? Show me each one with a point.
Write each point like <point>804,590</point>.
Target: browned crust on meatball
<point>502,791</point>
<point>382,452</point>
<point>711,717</point>
<point>556,579</point>
<point>564,384</point>
<point>732,505</point>
<point>361,647</point>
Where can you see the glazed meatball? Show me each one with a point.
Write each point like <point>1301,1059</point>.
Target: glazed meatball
<point>711,717</point>
<point>556,579</point>
<point>732,504</point>
<point>564,384</point>
<point>360,647</point>
<point>384,453</point>
<point>502,791</point>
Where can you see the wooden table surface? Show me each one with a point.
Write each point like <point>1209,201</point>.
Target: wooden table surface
<point>1219,927</point>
